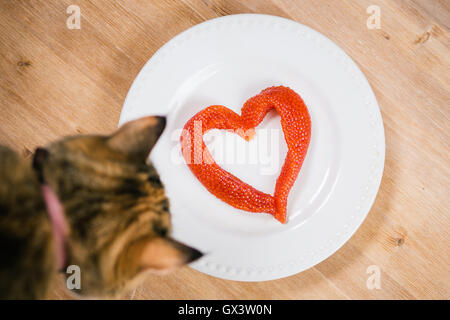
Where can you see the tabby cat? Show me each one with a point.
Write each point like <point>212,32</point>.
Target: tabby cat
<point>114,204</point>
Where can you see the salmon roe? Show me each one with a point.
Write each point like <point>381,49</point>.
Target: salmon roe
<point>296,125</point>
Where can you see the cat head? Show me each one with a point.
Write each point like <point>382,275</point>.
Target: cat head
<point>115,205</point>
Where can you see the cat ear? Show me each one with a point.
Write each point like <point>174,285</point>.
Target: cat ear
<point>160,254</point>
<point>137,138</point>
<point>39,157</point>
<point>165,254</point>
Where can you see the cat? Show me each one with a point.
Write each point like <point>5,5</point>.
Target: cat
<point>114,204</point>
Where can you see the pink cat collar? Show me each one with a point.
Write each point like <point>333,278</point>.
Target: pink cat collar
<point>57,217</point>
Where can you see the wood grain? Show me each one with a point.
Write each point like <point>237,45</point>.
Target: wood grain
<point>56,82</point>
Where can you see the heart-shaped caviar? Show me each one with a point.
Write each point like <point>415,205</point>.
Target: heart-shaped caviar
<point>296,124</point>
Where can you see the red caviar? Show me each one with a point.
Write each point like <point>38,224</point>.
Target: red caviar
<point>296,124</point>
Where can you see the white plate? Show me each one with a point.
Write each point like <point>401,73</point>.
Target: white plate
<point>226,61</point>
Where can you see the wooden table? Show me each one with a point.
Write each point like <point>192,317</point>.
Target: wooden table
<point>56,81</point>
